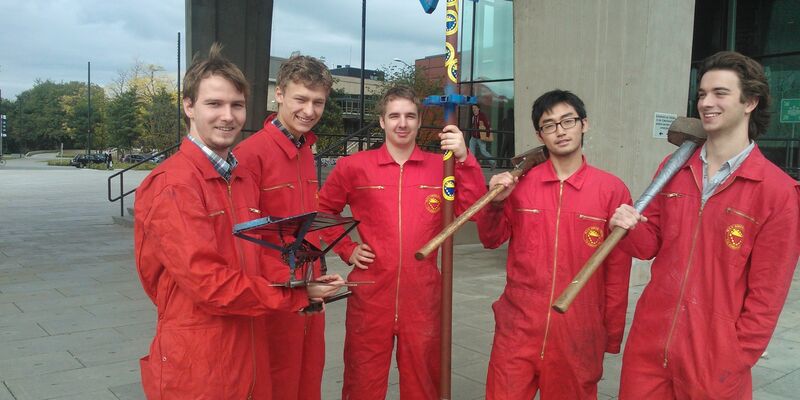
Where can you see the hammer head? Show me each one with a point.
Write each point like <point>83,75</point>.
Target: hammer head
<point>530,158</point>
<point>685,128</point>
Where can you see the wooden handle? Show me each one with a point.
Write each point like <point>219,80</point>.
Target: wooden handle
<point>451,229</point>
<point>571,291</point>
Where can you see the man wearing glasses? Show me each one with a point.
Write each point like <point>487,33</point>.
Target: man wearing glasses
<point>555,217</point>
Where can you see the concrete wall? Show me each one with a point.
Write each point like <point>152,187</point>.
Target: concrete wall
<point>244,28</point>
<point>625,59</point>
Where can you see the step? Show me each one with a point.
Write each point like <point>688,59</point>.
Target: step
<point>126,221</point>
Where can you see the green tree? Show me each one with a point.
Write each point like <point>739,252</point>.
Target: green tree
<point>331,121</point>
<point>409,76</point>
<point>162,120</point>
<point>42,120</point>
<point>77,113</point>
<point>124,120</point>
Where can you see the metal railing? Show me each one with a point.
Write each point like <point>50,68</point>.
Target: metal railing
<point>121,174</point>
<point>335,149</point>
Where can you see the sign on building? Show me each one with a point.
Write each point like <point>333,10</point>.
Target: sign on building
<point>790,111</point>
<point>661,123</point>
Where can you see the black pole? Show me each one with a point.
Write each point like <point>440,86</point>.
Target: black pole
<point>179,90</point>
<point>89,91</point>
<point>2,132</point>
<point>363,46</point>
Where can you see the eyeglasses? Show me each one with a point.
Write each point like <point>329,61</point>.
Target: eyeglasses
<point>566,123</point>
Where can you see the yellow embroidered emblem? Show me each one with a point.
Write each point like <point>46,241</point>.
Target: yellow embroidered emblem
<point>433,203</point>
<point>734,236</point>
<point>593,236</point>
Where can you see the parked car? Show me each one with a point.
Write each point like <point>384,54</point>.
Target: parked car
<point>82,160</point>
<point>137,158</point>
<point>134,158</point>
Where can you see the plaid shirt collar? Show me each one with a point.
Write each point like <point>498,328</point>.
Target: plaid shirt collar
<point>224,167</point>
<point>297,142</point>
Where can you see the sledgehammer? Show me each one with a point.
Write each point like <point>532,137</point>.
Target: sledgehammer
<point>522,163</point>
<point>685,132</point>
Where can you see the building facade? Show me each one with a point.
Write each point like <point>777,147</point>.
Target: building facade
<point>633,63</point>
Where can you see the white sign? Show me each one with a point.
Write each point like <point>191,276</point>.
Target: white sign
<point>661,123</point>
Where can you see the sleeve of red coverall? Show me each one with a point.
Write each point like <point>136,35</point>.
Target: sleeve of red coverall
<point>644,241</point>
<point>332,199</point>
<point>772,264</point>
<point>471,184</point>
<point>179,223</point>
<point>617,272</point>
<point>494,224</point>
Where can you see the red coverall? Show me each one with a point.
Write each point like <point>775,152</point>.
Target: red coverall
<point>554,227</point>
<point>207,284</point>
<point>720,278</point>
<point>288,183</point>
<point>400,210</point>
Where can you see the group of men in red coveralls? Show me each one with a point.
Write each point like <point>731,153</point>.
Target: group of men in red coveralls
<point>725,235</point>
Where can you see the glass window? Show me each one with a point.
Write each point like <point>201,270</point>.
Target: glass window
<point>496,100</point>
<point>781,143</point>
<point>766,30</point>
<point>465,41</point>
<point>767,26</point>
<point>494,40</point>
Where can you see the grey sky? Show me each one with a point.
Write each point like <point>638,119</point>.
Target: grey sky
<point>53,39</point>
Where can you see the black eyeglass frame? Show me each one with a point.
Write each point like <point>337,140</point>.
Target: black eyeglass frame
<point>555,125</point>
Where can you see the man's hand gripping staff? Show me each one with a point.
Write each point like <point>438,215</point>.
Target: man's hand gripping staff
<point>684,132</point>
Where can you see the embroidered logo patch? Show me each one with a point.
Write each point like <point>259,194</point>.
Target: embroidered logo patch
<point>734,236</point>
<point>593,236</point>
<point>433,203</point>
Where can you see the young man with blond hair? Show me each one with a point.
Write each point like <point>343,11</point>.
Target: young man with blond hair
<point>280,157</point>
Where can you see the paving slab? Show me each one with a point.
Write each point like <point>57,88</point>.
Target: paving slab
<point>787,386</point>
<point>52,344</point>
<point>130,391</point>
<point>18,331</point>
<point>66,302</point>
<point>40,364</point>
<point>112,353</point>
<point>5,394</point>
<point>74,382</point>
<point>94,322</point>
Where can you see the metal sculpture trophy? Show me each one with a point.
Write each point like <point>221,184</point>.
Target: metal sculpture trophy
<point>298,252</point>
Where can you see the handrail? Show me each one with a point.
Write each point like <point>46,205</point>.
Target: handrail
<point>121,173</point>
<point>331,150</point>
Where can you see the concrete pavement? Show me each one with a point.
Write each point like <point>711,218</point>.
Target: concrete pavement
<point>74,319</point>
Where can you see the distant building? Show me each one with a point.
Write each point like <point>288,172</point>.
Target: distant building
<point>354,72</point>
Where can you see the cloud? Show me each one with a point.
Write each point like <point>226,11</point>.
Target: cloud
<point>394,29</point>
<point>54,39</point>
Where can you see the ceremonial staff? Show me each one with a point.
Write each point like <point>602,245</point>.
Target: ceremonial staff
<point>448,102</point>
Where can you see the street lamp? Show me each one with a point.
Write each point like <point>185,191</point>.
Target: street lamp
<point>403,62</point>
